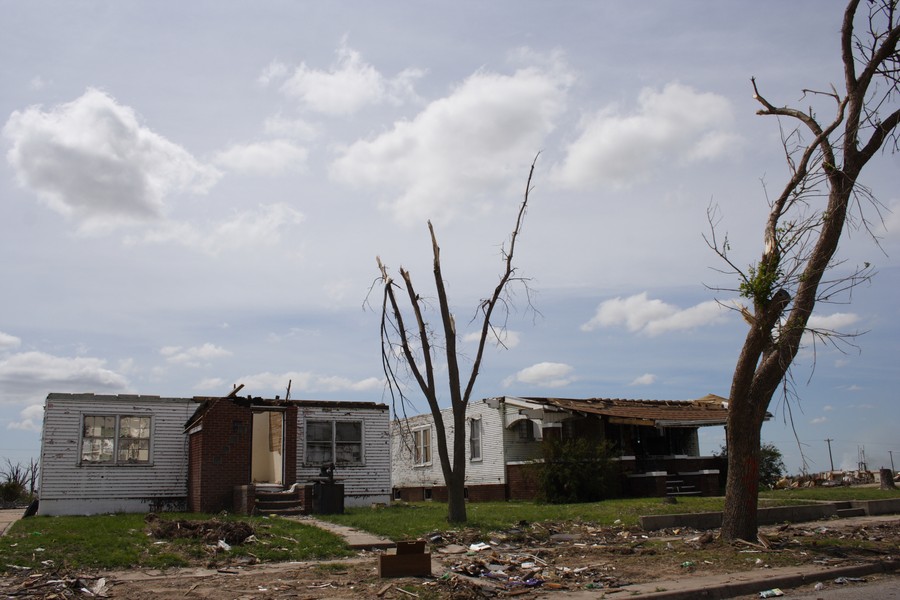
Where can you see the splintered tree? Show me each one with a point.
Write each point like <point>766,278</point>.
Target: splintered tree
<point>411,346</point>
<point>806,221</point>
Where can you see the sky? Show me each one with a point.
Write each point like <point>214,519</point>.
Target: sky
<point>193,196</point>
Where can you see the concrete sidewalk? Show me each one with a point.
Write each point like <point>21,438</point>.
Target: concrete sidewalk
<point>356,539</point>
<point>732,585</point>
<point>8,517</point>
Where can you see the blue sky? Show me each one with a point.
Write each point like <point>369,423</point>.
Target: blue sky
<point>194,196</point>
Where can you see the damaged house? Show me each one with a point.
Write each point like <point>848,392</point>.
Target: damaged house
<point>131,453</point>
<point>656,443</point>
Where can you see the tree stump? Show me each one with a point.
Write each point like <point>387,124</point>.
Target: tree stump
<point>887,479</point>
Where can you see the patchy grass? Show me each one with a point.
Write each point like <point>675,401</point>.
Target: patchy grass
<point>412,520</point>
<point>123,541</point>
<point>402,521</point>
<point>832,494</point>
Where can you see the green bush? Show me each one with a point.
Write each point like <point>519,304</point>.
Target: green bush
<point>576,470</point>
<point>11,492</point>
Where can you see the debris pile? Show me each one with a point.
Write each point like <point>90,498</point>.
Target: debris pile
<point>536,555</point>
<point>212,531</point>
<point>23,583</point>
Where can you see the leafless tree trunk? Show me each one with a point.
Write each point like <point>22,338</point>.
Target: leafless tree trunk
<point>805,224</point>
<point>399,342</point>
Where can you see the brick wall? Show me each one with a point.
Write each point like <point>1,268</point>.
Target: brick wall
<point>487,493</point>
<point>220,457</point>
<point>522,483</point>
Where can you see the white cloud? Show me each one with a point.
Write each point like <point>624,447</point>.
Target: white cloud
<point>504,337</point>
<point>275,70</point>
<point>837,322</point>
<point>272,157</point>
<point>194,356</point>
<point>346,87</point>
<point>24,373</point>
<point>545,374</point>
<point>677,124</point>
<point>645,379</point>
<point>461,150</point>
<point>211,383</point>
<point>640,314</point>
<point>833,322</point>
<point>32,418</point>
<point>8,342</point>
<point>245,229</point>
<point>819,420</point>
<point>91,159</point>
<point>292,128</point>
<point>274,383</point>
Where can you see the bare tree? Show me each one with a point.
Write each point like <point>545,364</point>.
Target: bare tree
<point>821,198</point>
<point>413,349</point>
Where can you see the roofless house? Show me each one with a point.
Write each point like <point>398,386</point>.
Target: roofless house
<point>656,443</point>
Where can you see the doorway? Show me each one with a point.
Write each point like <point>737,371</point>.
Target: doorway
<point>267,452</point>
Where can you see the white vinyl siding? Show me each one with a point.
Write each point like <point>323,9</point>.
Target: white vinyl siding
<point>490,470</point>
<point>70,485</point>
<point>367,480</point>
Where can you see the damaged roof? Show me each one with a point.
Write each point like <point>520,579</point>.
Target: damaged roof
<point>707,411</point>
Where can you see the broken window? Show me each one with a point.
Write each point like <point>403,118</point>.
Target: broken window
<point>115,439</point>
<point>422,445</point>
<point>334,442</point>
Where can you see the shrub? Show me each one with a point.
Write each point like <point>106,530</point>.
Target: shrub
<point>576,470</point>
<point>11,492</point>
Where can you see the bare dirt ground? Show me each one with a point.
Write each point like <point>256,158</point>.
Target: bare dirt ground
<point>546,556</point>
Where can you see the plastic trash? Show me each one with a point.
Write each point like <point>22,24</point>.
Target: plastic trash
<point>773,593</point>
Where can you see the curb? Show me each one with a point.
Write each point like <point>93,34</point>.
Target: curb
<point>740,588</point>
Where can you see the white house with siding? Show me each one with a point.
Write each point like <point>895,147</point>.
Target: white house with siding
<point>108,453</point>
<point>361,448</point>
<point>655,443</point>
<point>496,436</point>
<point>129,453</point>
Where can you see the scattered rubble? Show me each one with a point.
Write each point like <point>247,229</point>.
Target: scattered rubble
<point>467,564</point>
<point>224,534</point>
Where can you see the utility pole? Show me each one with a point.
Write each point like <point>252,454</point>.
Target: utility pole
<point>830,460</point>
<point>891,452</point>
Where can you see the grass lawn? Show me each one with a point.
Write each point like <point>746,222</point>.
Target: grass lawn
<point>404,521</point>
<point>123,540</point>
<point>832,494</point>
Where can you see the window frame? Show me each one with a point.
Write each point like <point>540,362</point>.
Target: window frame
<point>118,440</point>
<point>421,435</point>
<point>475,426</point>
<point>334,443</point>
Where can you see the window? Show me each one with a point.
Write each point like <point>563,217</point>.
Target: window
<point>115,439</point>
<point>422,446</point>
<point>475,439</point>
<point>337,442</point>
<point>525,430</point>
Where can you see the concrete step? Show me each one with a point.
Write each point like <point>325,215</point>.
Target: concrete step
<point>843,513</point>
